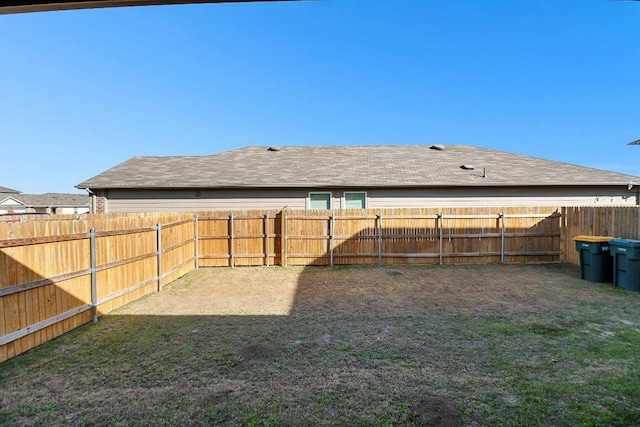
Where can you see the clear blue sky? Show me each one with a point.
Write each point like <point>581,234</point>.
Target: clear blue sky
<point>81,91</point>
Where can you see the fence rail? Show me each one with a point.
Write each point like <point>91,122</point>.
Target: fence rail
<point>58,274</point>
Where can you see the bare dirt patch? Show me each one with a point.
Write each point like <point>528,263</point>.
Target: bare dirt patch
<point>224,292</point>
<point>432,411</point>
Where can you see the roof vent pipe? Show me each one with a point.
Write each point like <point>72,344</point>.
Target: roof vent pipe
<point>484,172</point>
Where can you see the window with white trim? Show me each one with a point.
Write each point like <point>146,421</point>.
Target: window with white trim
<point>319,200</point>
<point>355,200</point>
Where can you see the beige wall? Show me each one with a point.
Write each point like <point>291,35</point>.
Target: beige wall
<point>202,200</point>
<point>537,196</point>
<point>10,205</point>
<point>186,200</point>
<point>68,210</point>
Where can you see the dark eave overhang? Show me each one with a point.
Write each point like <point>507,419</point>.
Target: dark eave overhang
<point>23,6</point>
<point>338,185</point>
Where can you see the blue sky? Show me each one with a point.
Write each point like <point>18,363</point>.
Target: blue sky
<point>81,91</point>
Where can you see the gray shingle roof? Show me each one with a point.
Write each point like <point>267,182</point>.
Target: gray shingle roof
<point>8,190</point>
<point>349,166</point>
<point>54,200</point>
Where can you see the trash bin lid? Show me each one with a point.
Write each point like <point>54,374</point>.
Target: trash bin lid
<point>594,239</point>
<point>629,243</point>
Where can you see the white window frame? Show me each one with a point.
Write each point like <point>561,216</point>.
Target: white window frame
<point>344,198</point>
<point>319,192</point>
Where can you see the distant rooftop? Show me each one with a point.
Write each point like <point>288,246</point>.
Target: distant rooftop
<point>58,200</point>
<point>8,190</point>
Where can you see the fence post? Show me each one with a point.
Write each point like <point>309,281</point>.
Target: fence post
<point>94,276</point>
<point>159,247</point>
<point>195,240</point>
<point>440,220</point>
<point>379,218</point>
<point>563,234</point>
<point>331,226</point>
<point>502,218</point>
<point>232,262</point>
<point>283,244</point>
<point>266,239</point>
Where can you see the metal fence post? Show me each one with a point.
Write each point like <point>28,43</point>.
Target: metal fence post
<point>195,240</point>
<point>379,233</point>
<point>94,275</point>
<point>502,218</point>
<point>331,226</point>
<point>232,261</point>
<point>441,227</point>
<point>266,239</point>
<point>159,247</point>
<point>285,225</point>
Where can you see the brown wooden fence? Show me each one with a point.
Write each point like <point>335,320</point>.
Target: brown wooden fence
<point>59,272</point>
<point>422,236</point>
<point>623,222</point>
<point>239,238</point>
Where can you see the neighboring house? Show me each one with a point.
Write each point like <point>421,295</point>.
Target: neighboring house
<point>14,202</point>
<point>8,200</point>
<point>5,190</point>
<point>342,177</point>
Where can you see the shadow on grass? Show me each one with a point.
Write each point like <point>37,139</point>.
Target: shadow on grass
<point>28,299</point>
<point>376,346</point>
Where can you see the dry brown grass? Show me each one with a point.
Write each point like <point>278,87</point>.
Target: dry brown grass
<point>435,346</point>
<point>482,291</point>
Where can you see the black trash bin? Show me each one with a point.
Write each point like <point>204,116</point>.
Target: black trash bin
<point>626,263</point>
<point>595,262</point>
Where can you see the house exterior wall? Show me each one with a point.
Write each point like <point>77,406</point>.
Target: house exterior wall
<point>13,210</point>
<point>201,200</point>
<point>10,205</point>
<point>504,196</point>
<point>204,200</point>
<point>71,210</point>
<point>99,202</point>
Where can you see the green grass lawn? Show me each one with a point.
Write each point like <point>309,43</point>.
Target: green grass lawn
<point>475,345</point>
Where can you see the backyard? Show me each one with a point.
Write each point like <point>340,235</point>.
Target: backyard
<point>474,345</point>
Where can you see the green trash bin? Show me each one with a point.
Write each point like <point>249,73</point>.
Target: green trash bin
<point>595,262</point>
<point>626,263</point>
